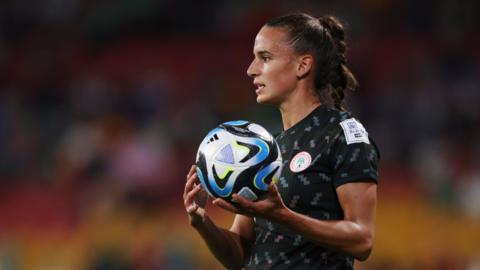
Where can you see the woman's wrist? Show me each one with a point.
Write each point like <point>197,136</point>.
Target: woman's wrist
<point>197,220</point>
<point>282,215</point>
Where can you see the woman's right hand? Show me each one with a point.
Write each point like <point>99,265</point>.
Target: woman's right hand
<point>195,198</point>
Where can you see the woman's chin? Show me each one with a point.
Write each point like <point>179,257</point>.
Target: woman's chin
<point>262,99</point>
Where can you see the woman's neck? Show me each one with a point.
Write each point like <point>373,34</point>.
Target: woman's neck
<point>294,111</point>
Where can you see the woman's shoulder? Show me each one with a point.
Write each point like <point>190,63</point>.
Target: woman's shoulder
<point>336,116</point>
<point>346,126</point>
<point>349,130</point>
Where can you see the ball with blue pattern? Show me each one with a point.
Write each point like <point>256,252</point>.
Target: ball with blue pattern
<point>238,157</point>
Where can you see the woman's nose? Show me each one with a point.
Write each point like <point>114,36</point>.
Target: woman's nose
<point>252,70</point>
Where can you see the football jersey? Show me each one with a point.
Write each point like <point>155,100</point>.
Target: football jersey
<point>326,149</point>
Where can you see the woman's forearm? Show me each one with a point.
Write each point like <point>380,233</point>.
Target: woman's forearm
<point>341,235</point>
<point>225,245</point>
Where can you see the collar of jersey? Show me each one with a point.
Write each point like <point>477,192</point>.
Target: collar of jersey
<point>319,110</point>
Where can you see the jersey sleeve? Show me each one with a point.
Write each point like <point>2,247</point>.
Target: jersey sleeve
<point>354,160</point>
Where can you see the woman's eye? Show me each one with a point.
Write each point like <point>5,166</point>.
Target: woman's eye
<point>265,58</point>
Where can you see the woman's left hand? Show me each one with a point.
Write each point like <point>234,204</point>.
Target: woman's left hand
<point>271,207</point>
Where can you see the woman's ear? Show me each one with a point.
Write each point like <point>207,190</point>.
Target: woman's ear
<point>305,65</point>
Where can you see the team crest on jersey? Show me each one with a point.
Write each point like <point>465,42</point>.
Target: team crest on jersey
<point>300,162</point>
<point>354,131</point>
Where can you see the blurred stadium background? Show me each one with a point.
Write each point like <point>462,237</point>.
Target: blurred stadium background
<point>103,104</point>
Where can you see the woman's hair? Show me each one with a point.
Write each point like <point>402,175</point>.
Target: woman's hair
<point>324,38</point>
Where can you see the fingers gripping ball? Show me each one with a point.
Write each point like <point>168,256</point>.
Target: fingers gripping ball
<point>238,157</point>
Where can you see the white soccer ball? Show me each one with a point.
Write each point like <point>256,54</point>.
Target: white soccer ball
<point>238,157</point>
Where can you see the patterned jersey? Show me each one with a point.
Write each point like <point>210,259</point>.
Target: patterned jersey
<point>324,150</point>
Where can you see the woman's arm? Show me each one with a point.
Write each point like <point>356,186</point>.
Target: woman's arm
<point>228,246</point>
<point>353,235</point>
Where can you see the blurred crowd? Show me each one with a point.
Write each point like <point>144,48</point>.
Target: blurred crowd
<point>103,104</point>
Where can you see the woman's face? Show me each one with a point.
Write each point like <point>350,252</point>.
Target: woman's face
<point>273,68</point>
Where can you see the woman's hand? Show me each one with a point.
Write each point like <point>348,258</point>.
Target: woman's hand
<point>195,198</point>
<point>272,207</point>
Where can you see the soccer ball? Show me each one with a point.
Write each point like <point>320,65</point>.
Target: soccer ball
<point>238,157</point>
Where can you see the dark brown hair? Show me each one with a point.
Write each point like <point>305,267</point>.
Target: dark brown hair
<point>324,38</point>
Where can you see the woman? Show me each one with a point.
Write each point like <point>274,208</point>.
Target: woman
<point>321,214</point>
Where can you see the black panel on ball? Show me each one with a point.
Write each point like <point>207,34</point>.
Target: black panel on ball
<point>241,130</point>
<point>202,165</point>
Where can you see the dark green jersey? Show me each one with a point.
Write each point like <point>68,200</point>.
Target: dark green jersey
<point>326,149</point>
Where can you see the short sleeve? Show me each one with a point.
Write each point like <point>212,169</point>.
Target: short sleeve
<point>354,161</point>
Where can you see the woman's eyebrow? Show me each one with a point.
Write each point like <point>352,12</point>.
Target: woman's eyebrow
<point>262,53</point>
